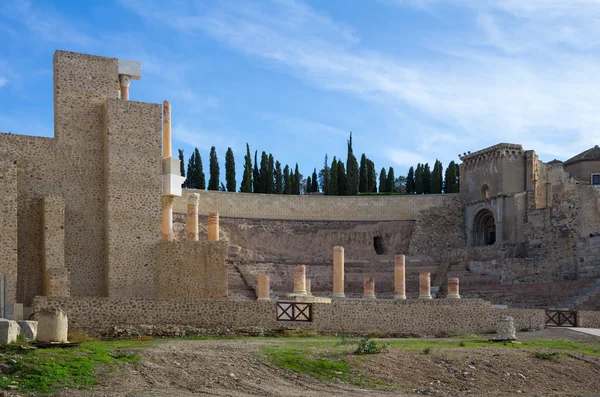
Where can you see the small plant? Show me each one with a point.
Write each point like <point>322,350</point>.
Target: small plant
<point>364,345</point>
<point>427,350</point>
<point>547,356</point>
<point>79,335</point>
<point>462,344</point>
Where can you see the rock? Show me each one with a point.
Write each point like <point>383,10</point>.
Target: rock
<point>9,331</point>
<point>29,329</point>
<point>505,330</point>
<point>53,326</point>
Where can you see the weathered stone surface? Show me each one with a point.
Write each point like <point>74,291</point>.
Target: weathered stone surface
<point>29,329</point>
<point>9,331</point>
<point>53,326</point>
<point>505,330</point>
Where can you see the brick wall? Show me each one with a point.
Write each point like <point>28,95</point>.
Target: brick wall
<point>306,207</point>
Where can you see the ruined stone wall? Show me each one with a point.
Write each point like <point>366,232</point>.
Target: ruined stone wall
<point>307,207</point>
<point>56,275</point>
<point>191,270</point>
<point>388,317</point>
<point>8,227</point>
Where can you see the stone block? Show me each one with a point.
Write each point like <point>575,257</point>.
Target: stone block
<point>14,311</point>
<point>29,329</point>
<point>9,331</point>
<point>53,326</point>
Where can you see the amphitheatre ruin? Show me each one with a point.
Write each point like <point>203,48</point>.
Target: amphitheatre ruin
<point>94,222</point>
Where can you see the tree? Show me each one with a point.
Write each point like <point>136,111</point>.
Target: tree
<point>270,179</point>
<point>352,177</point>
<point>222,188</point>
<point>382,180</point>
<point>287,180</point>
<point>370,175</point>
<point>363,174</point>
<point>315,184</point>
<point>400,184</point>
<point>255,175</point>
<point>390,182</point>
<point>437,178</point>
<point>195,173</point>
<point>451,178</point>
<point>297,180</point>
<point>410,181</point>
<point>334,187</point>
<point>342,179</point>
<point>213,181</point>
<point>182,166</point>
<point>426,179</point>
<point>278,178</point>
<point>324,177</point>
<point>419,179</point>
<point>189,182</point>
<point>309,185</point>
<point>262,173</point>
<point>246,186</point>
<point>230,170</point>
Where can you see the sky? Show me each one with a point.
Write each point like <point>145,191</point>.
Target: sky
<point>413,80</point>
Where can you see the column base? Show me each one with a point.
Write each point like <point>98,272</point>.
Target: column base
<point>425,297</point>
<point>400,297</point>
<point>263,299</point>
<point>298,293</point>
<point>453,296</point>
<point>369,296</point>
<point>339,295</point>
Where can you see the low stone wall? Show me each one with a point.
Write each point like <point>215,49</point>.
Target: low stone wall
<point>386,317</point>
<point>313,207</point>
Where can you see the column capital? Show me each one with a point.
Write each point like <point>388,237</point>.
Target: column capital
<point>167,201</point>
<point>193,198</point>
<point>124,80</point>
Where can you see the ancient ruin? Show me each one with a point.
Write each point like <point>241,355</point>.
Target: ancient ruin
<point>120,243</point>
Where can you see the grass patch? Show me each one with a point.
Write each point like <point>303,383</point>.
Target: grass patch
<point>547,356</point>
<point>43,371</point>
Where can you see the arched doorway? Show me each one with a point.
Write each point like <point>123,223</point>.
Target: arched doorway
<point>484,228</point>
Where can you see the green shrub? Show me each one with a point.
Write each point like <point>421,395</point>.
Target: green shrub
<point>547,356</point>
<point>427,350</point>
<point>364,345</point>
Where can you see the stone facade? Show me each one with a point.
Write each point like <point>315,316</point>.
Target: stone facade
<point>8,227</point>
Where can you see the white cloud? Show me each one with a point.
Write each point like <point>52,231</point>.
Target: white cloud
<point>3,81</point>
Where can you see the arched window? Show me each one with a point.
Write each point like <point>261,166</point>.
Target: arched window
<point>485,191</point>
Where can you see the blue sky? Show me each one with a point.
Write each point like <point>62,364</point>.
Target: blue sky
<point>414,80</point>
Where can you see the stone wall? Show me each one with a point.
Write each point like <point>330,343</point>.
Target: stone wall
<point>583,170</point>
<point>388,317</point>
<point>191,270</point>
<point>307,207</point>
<point>8,227</point>
<point>56,275</point>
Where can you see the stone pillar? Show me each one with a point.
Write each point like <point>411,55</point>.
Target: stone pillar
<point>300,280</point>
<point>167,218</point>
<point>453,288</point>
<point>308,287</point>
<point>124,81</point>
<point>399,276</point>
<point>166,129</point>
<point>505,330</point>
<point>338,272</point>
<point>369,285</point>
<point>424,285</point>
<point>263,288</point>
<point>192,217</point>
<point>53,326</point>
<point>213,227</point>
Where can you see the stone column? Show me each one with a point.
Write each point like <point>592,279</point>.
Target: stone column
<point>124,81</point>
<point>300,280</point>
<point>369,285</point>
<point>424,285</point>
<point>166,129</point>
<point>192,216</point>
<point>263,288</point>
<point>213,227</point>
<point>167,218</point>
<point>308,287</point>
<point>399,276</point>
<point>338,272</point>
<point>453,288</point>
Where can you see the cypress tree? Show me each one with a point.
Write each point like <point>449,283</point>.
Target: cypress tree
<point>199,171</point>
<point>370,174</point>
<point>213,181</point>
<point>262,173</point>
<point>410,181</point>
<point>181,166</point>
<point>230,170</point>
<point>451,178</point>
<point>278,178</point>
<point>390,183</point>
<point>324,176</point>
<point>255,175</point>
<point>246,186</point>
<point>270,179</point>
<point>342,179</point>
<point>308,185</point>
<point>334,187</point>
<point>419,179</point>
<point>382,180</point>
<point>363,175</point>
<point>426,179</point>
<point>352,177</point>
<point>189,182</point>
<point>373,176</point>
<point>315,182</point>
<point>296,184</point>
<point>436,178</point>
<point>287,180</point>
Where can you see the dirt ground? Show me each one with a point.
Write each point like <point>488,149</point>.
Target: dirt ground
<point>234,368</point>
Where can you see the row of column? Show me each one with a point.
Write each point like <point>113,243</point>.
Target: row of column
<point>300,281</point>
<point>192,220</point>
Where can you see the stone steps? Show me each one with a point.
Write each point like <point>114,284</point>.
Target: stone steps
<point>237,287</point>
